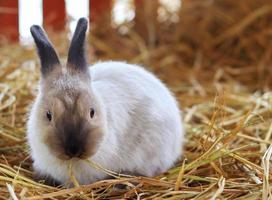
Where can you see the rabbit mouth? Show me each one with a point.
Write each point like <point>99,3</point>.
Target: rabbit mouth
<point>66,157</point>
<point>63,155</point>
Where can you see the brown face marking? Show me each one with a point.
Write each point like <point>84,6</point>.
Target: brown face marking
<point>72,132</point>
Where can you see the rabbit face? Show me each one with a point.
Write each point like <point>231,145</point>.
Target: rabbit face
<point>72,116</point>
<point>70,113</point>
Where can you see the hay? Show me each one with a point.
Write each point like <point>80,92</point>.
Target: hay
<point>216,59</point>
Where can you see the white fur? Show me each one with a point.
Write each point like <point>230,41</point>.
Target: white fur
<point>144,127</point>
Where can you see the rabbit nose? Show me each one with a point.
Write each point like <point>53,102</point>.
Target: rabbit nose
<point>74,150</point>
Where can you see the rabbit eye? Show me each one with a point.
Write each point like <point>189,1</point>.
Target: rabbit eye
<point>49,115</point>
<point>92,112</point>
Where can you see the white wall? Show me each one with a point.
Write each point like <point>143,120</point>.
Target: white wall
<point>30,12</point>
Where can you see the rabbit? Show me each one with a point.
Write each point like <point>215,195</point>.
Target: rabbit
<point>115,114</point>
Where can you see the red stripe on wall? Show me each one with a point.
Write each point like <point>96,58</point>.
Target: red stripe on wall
<point>54,14</point>
<point>99,8</point>
<point>9,25</point>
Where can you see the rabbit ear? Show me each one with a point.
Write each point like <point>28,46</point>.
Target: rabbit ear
<point>46,52</point>
<point>77,54</point>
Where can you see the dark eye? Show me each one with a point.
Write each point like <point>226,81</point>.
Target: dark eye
<point>49,115</point>
<point>92,112</point>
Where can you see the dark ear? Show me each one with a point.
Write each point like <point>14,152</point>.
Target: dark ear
<point>77,54</point>
<point>46,52</point>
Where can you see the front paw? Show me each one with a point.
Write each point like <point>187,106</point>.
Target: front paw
<point>46,179</point>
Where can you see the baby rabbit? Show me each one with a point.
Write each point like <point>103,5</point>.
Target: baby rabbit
<point>117,115</point>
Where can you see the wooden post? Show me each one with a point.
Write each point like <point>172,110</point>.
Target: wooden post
<point>9,25</point>
<point>100,9</point>
<point>140,24</point>
<point>54,14</point>
<point>146,13</point>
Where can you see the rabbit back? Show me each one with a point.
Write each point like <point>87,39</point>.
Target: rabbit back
<point>143,119</point>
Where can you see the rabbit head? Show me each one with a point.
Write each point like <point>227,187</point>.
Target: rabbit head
<point>70,114</point>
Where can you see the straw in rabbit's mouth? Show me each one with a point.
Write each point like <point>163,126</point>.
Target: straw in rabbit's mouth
<point>94,166</point>
<point>71,175</point>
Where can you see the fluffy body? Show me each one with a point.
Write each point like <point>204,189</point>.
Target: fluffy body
<point>143,129</point>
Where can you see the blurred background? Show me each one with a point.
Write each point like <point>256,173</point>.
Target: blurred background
<point>216,57</point>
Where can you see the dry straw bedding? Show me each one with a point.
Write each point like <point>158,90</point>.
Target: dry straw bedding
<point>216,59</point>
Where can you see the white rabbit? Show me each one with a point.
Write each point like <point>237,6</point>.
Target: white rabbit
<point>118,115</point>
